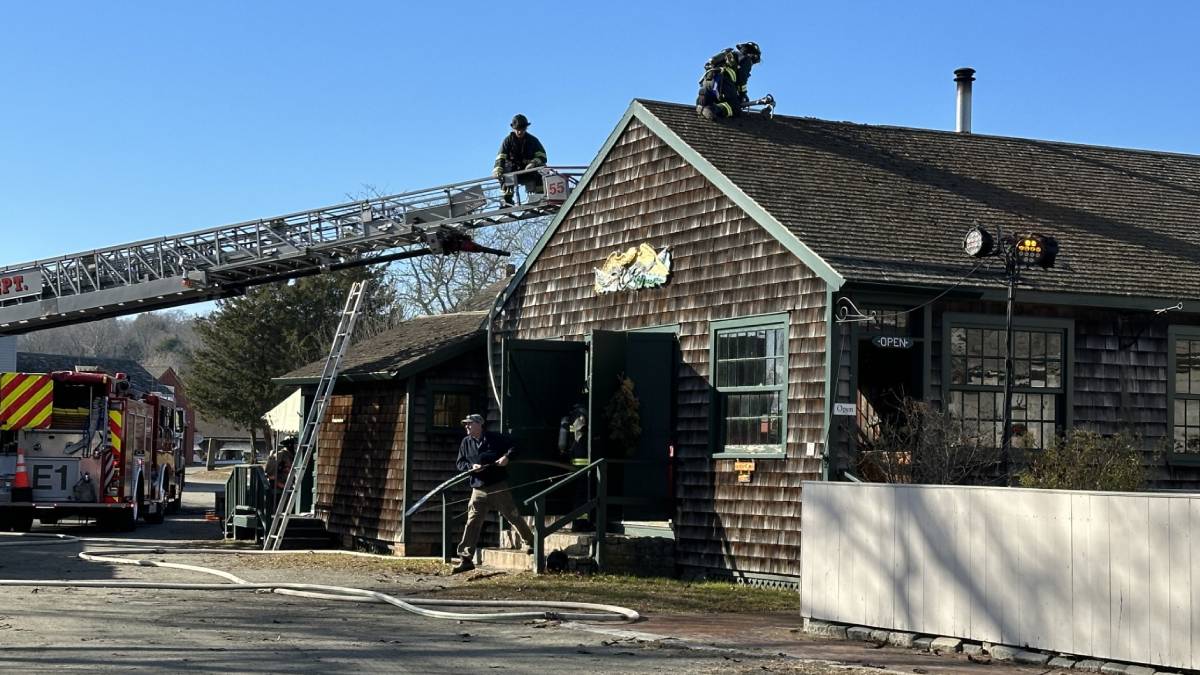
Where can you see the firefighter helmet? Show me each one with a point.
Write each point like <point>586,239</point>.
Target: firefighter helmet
<point>751,49</point>
<point>519,121</point>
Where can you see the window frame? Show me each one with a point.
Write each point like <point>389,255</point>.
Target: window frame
<point>1174,334</point>
<point>431,392</point>
<point>779,320</point>
<point>951,320</point>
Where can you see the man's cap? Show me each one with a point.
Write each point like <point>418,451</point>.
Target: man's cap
<point>473,418</point>
<point>519,121</point>
<point>288,440</point>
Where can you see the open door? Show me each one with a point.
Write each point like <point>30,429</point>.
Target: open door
<point>640,478</point>
<point>539,382</point>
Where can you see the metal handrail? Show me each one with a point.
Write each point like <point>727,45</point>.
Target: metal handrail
<point>597,505</point>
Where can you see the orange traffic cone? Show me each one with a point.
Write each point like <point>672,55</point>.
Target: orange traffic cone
<point>21,491</point>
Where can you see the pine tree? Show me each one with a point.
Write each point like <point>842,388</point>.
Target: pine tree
<point>272,330</point>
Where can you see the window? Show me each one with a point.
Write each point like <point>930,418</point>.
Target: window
<point>449,409</point>
<point>749,360</point>
<point>976,382</point>
<point>1185,390</point>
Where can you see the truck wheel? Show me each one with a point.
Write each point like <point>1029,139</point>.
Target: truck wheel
<point>144,508</point>
<point>176,502</point>
<point>22,521</point>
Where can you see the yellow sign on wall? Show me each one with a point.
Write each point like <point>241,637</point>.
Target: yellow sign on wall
<point>633,269</point>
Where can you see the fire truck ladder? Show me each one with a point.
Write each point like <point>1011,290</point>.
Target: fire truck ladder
<point>286,505</point>
<point>223,261</point>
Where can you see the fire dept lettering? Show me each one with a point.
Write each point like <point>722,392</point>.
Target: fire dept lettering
<point>20,284</point>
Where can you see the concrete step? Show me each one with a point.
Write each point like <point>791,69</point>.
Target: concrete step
<point>516,560</point>
<point>573,543</point>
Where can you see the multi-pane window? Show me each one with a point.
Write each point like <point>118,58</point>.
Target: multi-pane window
<point>1187,394</point>
<point>751,381</point>
<point>450,408</point>
<point>976,388</point>
<point>886,320</point>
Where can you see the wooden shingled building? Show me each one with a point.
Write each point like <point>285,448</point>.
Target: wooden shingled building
<point>772,289</point>
<point>817,277</point>
<point>392,429</point>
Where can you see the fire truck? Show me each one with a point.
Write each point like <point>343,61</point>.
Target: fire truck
<point>84,444</point>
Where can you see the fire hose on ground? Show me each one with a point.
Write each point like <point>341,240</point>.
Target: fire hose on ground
<point>552,610</point>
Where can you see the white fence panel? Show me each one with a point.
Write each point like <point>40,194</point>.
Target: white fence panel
<point>1107,575</point>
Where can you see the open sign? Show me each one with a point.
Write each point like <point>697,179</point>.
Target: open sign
<point>892,342</point>
<point>20,284</point>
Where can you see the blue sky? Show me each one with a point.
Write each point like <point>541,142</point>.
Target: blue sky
<point>127,120</point>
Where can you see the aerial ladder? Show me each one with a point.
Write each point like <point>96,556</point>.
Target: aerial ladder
<point>221,262</point>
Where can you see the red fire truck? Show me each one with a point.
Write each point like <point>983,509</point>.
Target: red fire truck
<point>84,444</point>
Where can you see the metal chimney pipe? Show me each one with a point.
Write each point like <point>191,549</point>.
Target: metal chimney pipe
<point>964,77</point>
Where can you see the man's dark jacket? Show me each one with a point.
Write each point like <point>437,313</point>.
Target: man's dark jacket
<point>491,447</point>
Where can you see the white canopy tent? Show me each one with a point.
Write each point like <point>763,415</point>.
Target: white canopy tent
<point>286,417</point>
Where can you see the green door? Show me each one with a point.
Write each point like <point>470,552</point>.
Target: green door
<point>539,382</point>
<point>639,476</point>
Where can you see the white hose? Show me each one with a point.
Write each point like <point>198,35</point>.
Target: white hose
<point>594,612</point>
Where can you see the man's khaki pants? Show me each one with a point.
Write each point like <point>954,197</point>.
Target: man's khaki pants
<point>494,497</point>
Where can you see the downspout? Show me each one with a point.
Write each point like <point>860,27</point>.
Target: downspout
<point>410,387</point>
<point>832,351</point>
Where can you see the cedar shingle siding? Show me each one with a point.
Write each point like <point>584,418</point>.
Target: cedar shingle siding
<point>360,463</point>
<point>724,266</point>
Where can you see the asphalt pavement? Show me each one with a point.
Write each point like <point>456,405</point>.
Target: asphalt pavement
<point>49,629</point>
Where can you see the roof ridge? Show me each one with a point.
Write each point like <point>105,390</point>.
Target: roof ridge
<point>964,136</point>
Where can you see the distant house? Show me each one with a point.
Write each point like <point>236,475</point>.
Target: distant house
<point>139,377</point>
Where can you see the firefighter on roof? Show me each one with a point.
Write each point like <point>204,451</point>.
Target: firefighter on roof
<point>723,89</point>
<point>520,150</point>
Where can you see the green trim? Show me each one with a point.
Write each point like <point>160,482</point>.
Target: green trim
<point>410,386</point>
<point>706,169</point>
<point>613,137</point>
<point>1174,333</point>
<point>962,319</point>
<point>1027,296</point>
<point>833,344</point>
<point>751,454</point>
<point>669,328</point>
<point>716,433</point>
<point>743,321</point>
<point>741,199</point>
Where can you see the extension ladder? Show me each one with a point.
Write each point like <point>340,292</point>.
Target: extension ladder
<point>312,423</point>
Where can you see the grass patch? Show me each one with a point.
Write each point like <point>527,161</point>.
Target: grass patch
<point>645,594</point>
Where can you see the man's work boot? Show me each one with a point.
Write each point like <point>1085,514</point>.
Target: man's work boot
<point>508,197</point>
<point>464,565</point>
<point>708,113</point>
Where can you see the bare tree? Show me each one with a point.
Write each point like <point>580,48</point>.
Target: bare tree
<point>436,284</point>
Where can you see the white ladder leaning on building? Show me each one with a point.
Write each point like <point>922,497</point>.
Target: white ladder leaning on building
<point>286,504</point>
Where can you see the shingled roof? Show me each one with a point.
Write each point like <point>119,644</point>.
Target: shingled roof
<point>415,344</point>
<point>890,204</point>
<point>139,377</point>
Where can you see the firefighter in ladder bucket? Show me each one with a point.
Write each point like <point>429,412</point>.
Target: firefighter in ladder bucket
<point>520,150</point>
